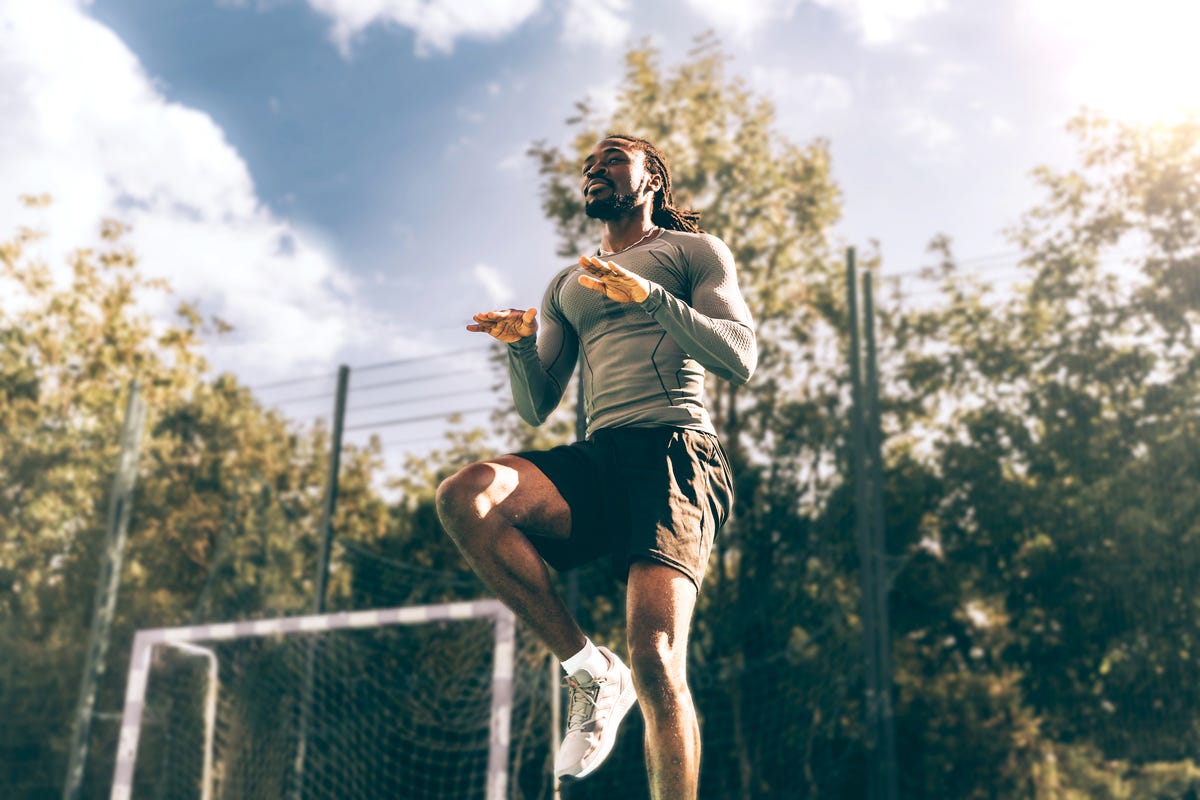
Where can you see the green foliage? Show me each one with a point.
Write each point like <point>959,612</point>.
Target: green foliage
<point>225,510</point>
<point>1061,423</point>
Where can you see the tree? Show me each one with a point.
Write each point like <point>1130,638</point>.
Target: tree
<point>224,517</point>
<point>1063,426</point>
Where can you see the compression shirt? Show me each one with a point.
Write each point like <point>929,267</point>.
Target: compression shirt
<point>643,363</point>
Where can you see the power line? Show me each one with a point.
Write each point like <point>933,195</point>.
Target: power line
<point>415,359</point>
<point>980,263</point>
<point>406,381</point>
<point>325,396</point>
<point>1128,310</point>
<point>368,368</point>
<point>397,382</point>
<point>292,381</point>
<point>445,415</point>
<point>392,443</point>
<point>410,401</point>
<point>305,399</point>
<point>991,256</point>
<point>988,262</point>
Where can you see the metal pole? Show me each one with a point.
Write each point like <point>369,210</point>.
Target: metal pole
<point>105,604</point>
<point>331,489</point>
<point>867,581</point>
<point>887,725</point>
<point>324,537</point>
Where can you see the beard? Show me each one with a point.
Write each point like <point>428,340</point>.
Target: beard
<point>610,208</point>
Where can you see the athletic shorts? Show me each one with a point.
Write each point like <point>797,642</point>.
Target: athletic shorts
<point>638,493</point>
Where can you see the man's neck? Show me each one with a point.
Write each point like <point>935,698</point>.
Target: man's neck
<point>619,234</point>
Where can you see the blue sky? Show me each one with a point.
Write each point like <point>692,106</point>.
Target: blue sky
<point>345,180</point>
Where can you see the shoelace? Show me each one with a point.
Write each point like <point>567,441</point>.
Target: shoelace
<point>578,701</point>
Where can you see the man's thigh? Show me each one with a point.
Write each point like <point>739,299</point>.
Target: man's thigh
<point>527,498</point>
<point>577,473</point>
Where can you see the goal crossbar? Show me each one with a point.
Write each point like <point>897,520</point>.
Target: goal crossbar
<point>145,641</point>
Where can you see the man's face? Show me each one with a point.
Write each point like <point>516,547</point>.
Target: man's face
<point>615,181</point>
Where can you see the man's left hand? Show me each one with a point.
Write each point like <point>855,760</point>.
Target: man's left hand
<point>616,282</point>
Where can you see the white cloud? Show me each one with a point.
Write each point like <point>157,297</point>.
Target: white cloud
<point>470,115</point>
<point>493,284</point>
<point>436,23</point>
<point>518,161</point>
<point>602,99</point>
<point>805,94</point>
<point>936,136</point>
<point>947,76</point>
<point>595,22</point>
<point>84,123</point>
<point>882,21</point>
<point>875,21</point>
<point>740,20</point>
<point>1001,125</point>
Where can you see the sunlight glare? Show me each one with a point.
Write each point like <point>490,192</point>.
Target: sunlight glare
<point>1136,62</point>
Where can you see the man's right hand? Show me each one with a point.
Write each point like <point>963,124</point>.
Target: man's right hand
<point>508,326</point>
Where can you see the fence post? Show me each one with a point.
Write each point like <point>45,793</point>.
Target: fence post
<point>866,442</point>
<point>886,721</point>
<point>324,537</point>
<point>331,488</point>
<point>105,604</point>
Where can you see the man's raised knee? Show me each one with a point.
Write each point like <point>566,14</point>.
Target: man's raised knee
<point>475,492</point>
<point>455,495</point>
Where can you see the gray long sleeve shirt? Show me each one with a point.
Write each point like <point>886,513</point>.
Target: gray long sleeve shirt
<point>643,363</point>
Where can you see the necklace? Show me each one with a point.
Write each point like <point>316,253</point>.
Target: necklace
<point>606,254</point>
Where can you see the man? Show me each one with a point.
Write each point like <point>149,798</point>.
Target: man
<point>645,317</point>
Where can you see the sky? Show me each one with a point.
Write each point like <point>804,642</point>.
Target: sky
<point>346,181</point>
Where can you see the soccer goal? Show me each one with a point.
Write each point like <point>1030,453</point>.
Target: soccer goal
<point>411,702</point>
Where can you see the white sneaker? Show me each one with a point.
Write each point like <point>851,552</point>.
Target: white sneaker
<point>595,708</point>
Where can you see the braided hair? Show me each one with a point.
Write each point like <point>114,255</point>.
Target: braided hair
<point>665,214</point>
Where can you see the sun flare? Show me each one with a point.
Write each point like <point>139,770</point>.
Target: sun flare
<point>1136,62</point>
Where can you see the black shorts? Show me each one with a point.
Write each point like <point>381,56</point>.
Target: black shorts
<point>652,493</point>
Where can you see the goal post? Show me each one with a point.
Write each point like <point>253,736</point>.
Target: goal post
<point>204,641</point>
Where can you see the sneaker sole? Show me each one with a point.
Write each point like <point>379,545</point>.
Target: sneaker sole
<point>625,702</point>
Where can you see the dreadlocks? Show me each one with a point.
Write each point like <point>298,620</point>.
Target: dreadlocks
<point>665,214</point>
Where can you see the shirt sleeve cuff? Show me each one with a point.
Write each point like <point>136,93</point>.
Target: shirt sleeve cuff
<point>524,344</point>
<point>654,300</point>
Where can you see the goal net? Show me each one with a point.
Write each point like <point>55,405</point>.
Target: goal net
<point>411,702</point>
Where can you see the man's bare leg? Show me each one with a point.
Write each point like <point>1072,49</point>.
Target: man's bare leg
<point>659,613</point>
<point>483,507</point>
